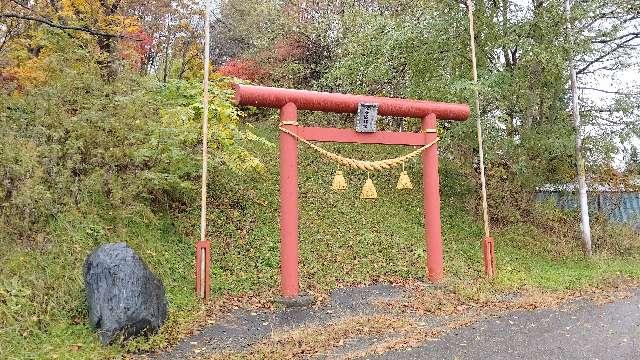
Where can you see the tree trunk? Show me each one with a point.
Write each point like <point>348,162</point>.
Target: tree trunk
<point>108,64</point>
<point>165,70</point>
<point>108,46</point>
<point>581,179</point>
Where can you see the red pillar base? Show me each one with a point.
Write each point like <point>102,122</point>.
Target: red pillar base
<point>489,257</point>
<point>203,269</point>
<point>300,300</point>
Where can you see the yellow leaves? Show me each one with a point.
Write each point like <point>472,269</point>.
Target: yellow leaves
<point>94,14</point>
<point>123,24</point>
<point>29,74</point>
<point>70,8</point>
<point>82,10</point>
<point>29,71</point>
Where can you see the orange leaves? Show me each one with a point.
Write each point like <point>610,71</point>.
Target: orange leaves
<point>136,50</point>
<point>243,69</point>
<point>28,74</point>
<point>29,64</point>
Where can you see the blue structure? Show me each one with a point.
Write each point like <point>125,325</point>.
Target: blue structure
<point>619,206</point>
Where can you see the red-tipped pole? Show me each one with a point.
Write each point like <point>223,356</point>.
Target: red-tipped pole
<point>203,255</point>
<point>488,244</point>
<point>203,261</point>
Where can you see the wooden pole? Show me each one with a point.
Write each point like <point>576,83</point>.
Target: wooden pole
<point>202,248</point>
<point>289,216</point>
<point>489,258</point>
<point>431,203</point>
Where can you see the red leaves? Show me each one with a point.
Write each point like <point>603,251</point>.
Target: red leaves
<point>7,78</point>
<point>136,47</point>
<point>243,69</point>
<point>289,49</point>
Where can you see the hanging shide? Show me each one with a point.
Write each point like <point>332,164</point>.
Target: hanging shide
<point>369,190</point>
<point>339,183</point>
<point>404,182</point>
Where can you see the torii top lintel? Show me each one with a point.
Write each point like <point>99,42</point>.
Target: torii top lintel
<point>262,96</point>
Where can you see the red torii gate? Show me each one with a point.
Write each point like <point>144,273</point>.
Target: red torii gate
<point>289,102</point>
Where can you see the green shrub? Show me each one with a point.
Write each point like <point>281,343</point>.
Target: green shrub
<point>134,140</point>
<point>25,203</point>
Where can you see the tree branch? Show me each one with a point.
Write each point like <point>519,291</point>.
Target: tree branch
<point>608,53</point>
<point>66,27</point>
<point>613,92</point>
<point>618,38</point>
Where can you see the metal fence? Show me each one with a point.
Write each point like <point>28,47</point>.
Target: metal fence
<point>620,206</point>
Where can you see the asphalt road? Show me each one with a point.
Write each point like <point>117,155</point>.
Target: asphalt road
<point>583,330</point>
<point>579,329</point>
<point>241,329</point>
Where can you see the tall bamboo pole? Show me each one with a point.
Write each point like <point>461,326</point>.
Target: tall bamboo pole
<point>474,66</point>
<point>488,246</point>
<point>205,156</point>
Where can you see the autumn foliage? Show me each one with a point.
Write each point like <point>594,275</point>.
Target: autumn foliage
<point>136,48</point>
<point>289,49</point>
<point>243,69</point>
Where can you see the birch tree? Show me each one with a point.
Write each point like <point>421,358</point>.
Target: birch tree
<point>581,181</point>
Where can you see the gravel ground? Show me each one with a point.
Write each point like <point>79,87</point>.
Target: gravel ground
<point>241,329</point>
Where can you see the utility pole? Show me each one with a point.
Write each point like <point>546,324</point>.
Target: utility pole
<point>581,178</point>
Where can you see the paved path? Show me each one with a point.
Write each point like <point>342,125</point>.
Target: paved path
<point>579,329</point>
<point>582,330</point>
<point>241,329</point>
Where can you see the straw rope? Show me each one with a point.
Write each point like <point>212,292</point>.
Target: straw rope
<point>362,164</point>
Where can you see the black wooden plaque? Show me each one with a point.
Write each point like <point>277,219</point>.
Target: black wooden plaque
<point>366,118</point>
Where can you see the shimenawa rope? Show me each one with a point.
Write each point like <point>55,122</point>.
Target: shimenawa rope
<point>362,164</point>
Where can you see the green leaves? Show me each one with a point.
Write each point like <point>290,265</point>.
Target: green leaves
<point>416,54</point>
<point>182,116</point>
<point>132,140</point>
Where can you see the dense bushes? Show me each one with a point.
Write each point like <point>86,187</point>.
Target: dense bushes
<point>26,203</point>
<point>84,162</point>
<point>132,140</point>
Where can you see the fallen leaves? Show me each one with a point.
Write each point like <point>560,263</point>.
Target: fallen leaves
<point>425,313</point>
<point>306,341</point>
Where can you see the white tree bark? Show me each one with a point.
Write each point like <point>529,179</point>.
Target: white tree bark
<point>581,178</point>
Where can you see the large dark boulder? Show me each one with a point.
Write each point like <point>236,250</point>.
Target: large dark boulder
<point>125,299</point>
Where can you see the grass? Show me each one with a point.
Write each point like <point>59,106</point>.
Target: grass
<point>42,303</point>
<point>343,240</point>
